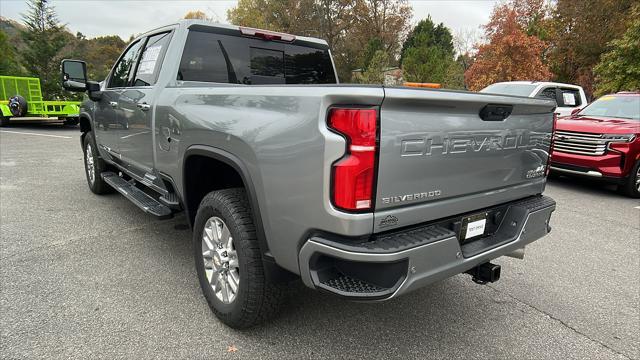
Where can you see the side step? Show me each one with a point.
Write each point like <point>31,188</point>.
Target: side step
<point>141,199</point>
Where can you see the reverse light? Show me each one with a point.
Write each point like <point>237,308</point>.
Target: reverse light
<point>354,174</point>
<point>267,35</point>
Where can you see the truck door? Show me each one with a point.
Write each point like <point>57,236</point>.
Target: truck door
<point>136,102</point>
<point>108,115</point>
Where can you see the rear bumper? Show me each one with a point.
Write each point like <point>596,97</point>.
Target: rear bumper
<point>396,263</point>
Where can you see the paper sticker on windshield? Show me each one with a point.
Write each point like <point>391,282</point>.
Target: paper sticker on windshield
<point>569,99</point>
<point>148,62</point>
<point>605,98</point>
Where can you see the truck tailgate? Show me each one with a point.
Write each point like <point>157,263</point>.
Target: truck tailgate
<point>439,158</point>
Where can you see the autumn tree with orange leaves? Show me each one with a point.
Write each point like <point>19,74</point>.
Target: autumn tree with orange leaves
<point>513,51</point>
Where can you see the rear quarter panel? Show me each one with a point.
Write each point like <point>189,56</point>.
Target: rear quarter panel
<point>279,132</point>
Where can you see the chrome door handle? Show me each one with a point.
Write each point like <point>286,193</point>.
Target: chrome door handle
<point>144,106</point>
<point>113,104</point>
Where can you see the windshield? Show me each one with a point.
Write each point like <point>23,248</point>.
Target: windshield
<point>623,107</point>
<point>510,89</point>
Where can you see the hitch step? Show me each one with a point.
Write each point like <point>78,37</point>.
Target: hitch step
<point>485,273</point>
<point>141,199</point>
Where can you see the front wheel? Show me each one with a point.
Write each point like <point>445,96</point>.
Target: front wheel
<point>632,186</point>
<point>94,166</point>
<point>229,262</point>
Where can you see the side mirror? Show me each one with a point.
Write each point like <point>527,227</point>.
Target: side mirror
<point>575,111</point>
<point>74,75</point>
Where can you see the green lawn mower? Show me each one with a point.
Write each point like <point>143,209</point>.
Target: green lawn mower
<point>21,99</point>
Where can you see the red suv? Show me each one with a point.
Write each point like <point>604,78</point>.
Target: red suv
<point>602,141</point>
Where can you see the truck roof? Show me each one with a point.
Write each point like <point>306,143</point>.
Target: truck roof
<point>541,83</point>
<point>187,23</point>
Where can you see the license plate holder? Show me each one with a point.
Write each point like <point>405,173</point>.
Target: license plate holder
<point>473,226</point>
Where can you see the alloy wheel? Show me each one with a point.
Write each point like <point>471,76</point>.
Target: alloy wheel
<point>91,172</point>
<point>220,260</point>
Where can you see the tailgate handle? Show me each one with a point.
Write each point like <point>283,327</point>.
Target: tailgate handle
<point>492,112</point>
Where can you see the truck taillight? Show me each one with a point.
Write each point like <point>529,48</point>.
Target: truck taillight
<point>553,139</point>
<point>353,175</point>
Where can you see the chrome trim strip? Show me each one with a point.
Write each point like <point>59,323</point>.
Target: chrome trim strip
<point>588,173</point>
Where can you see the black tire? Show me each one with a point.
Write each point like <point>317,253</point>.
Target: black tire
<point>4,121</point>
<point>18,106</point>
<point>630,187</point>
<point>256,299</point>
<point>98,185</point>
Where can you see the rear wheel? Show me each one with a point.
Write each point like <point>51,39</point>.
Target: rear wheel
<point>229,262</point>
<point>94,166</point>
<point>632,185</point>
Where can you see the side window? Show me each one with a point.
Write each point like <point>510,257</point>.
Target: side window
<point>570,98</point>
<point>122,70</point>
<point>151,61</point>
<point>548,93</point>
<point>203,59</point>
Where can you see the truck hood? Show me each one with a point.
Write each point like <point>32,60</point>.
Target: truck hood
<point>598,125</point>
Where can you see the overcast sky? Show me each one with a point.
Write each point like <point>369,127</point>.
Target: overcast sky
<point>124,18</point>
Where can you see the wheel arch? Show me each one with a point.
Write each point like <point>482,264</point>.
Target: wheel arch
<point>190,203</point>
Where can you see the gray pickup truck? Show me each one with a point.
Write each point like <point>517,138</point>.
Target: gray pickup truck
<point>365,192</point>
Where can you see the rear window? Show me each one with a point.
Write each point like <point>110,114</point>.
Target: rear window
<point>510,89</point>
<point>212,57</point>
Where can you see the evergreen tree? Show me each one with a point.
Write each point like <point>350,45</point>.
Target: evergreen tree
<point>44,37</point>
<point>619,68</point>
<point>428,55</point>
<point>8,64</point>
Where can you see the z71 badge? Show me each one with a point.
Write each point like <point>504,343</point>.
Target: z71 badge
<point>537,172</point>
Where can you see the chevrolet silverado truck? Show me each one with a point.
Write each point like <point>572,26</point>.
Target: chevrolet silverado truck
<point>365,192</point>
<point>602,142</point>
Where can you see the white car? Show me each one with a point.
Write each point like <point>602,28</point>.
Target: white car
<point>568,97</point>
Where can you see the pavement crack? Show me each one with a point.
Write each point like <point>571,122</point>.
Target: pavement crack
<point>562,322</point>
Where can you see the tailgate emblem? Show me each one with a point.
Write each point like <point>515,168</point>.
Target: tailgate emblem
<point>388,220</point>
<point>411,197</point>
<point>463,142</point>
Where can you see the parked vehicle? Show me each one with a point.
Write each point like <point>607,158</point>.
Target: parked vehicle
<point>364,192</point>
<point>602,141</point>
<point>21,98</point>
<point>568,97</point>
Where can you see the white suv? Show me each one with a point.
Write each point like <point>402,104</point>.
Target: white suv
<point>568,97</point>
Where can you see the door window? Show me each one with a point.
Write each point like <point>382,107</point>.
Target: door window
<point>122,70</point>
<point>151,61</point>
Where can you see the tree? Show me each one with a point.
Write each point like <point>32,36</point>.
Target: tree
<point>8,62</point>
<point>619,68</point>
<point>347,25</point>
<point>200,15</point>
<point>428,54</point>
<point>374,74</point>
<point>387,20</point>
<point>580,32</point>
<point>510,54</point>
<point>44,37</point>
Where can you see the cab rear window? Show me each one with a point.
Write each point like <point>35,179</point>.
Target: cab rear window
<point>212,57</point>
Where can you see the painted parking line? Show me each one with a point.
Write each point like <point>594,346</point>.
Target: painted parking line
<point>36,134</point>
<point>637,207</point>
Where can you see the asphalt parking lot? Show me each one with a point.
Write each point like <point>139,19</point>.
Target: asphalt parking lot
<point>83,276</point>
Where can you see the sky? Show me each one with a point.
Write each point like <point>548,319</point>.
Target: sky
<point>125,17</point>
